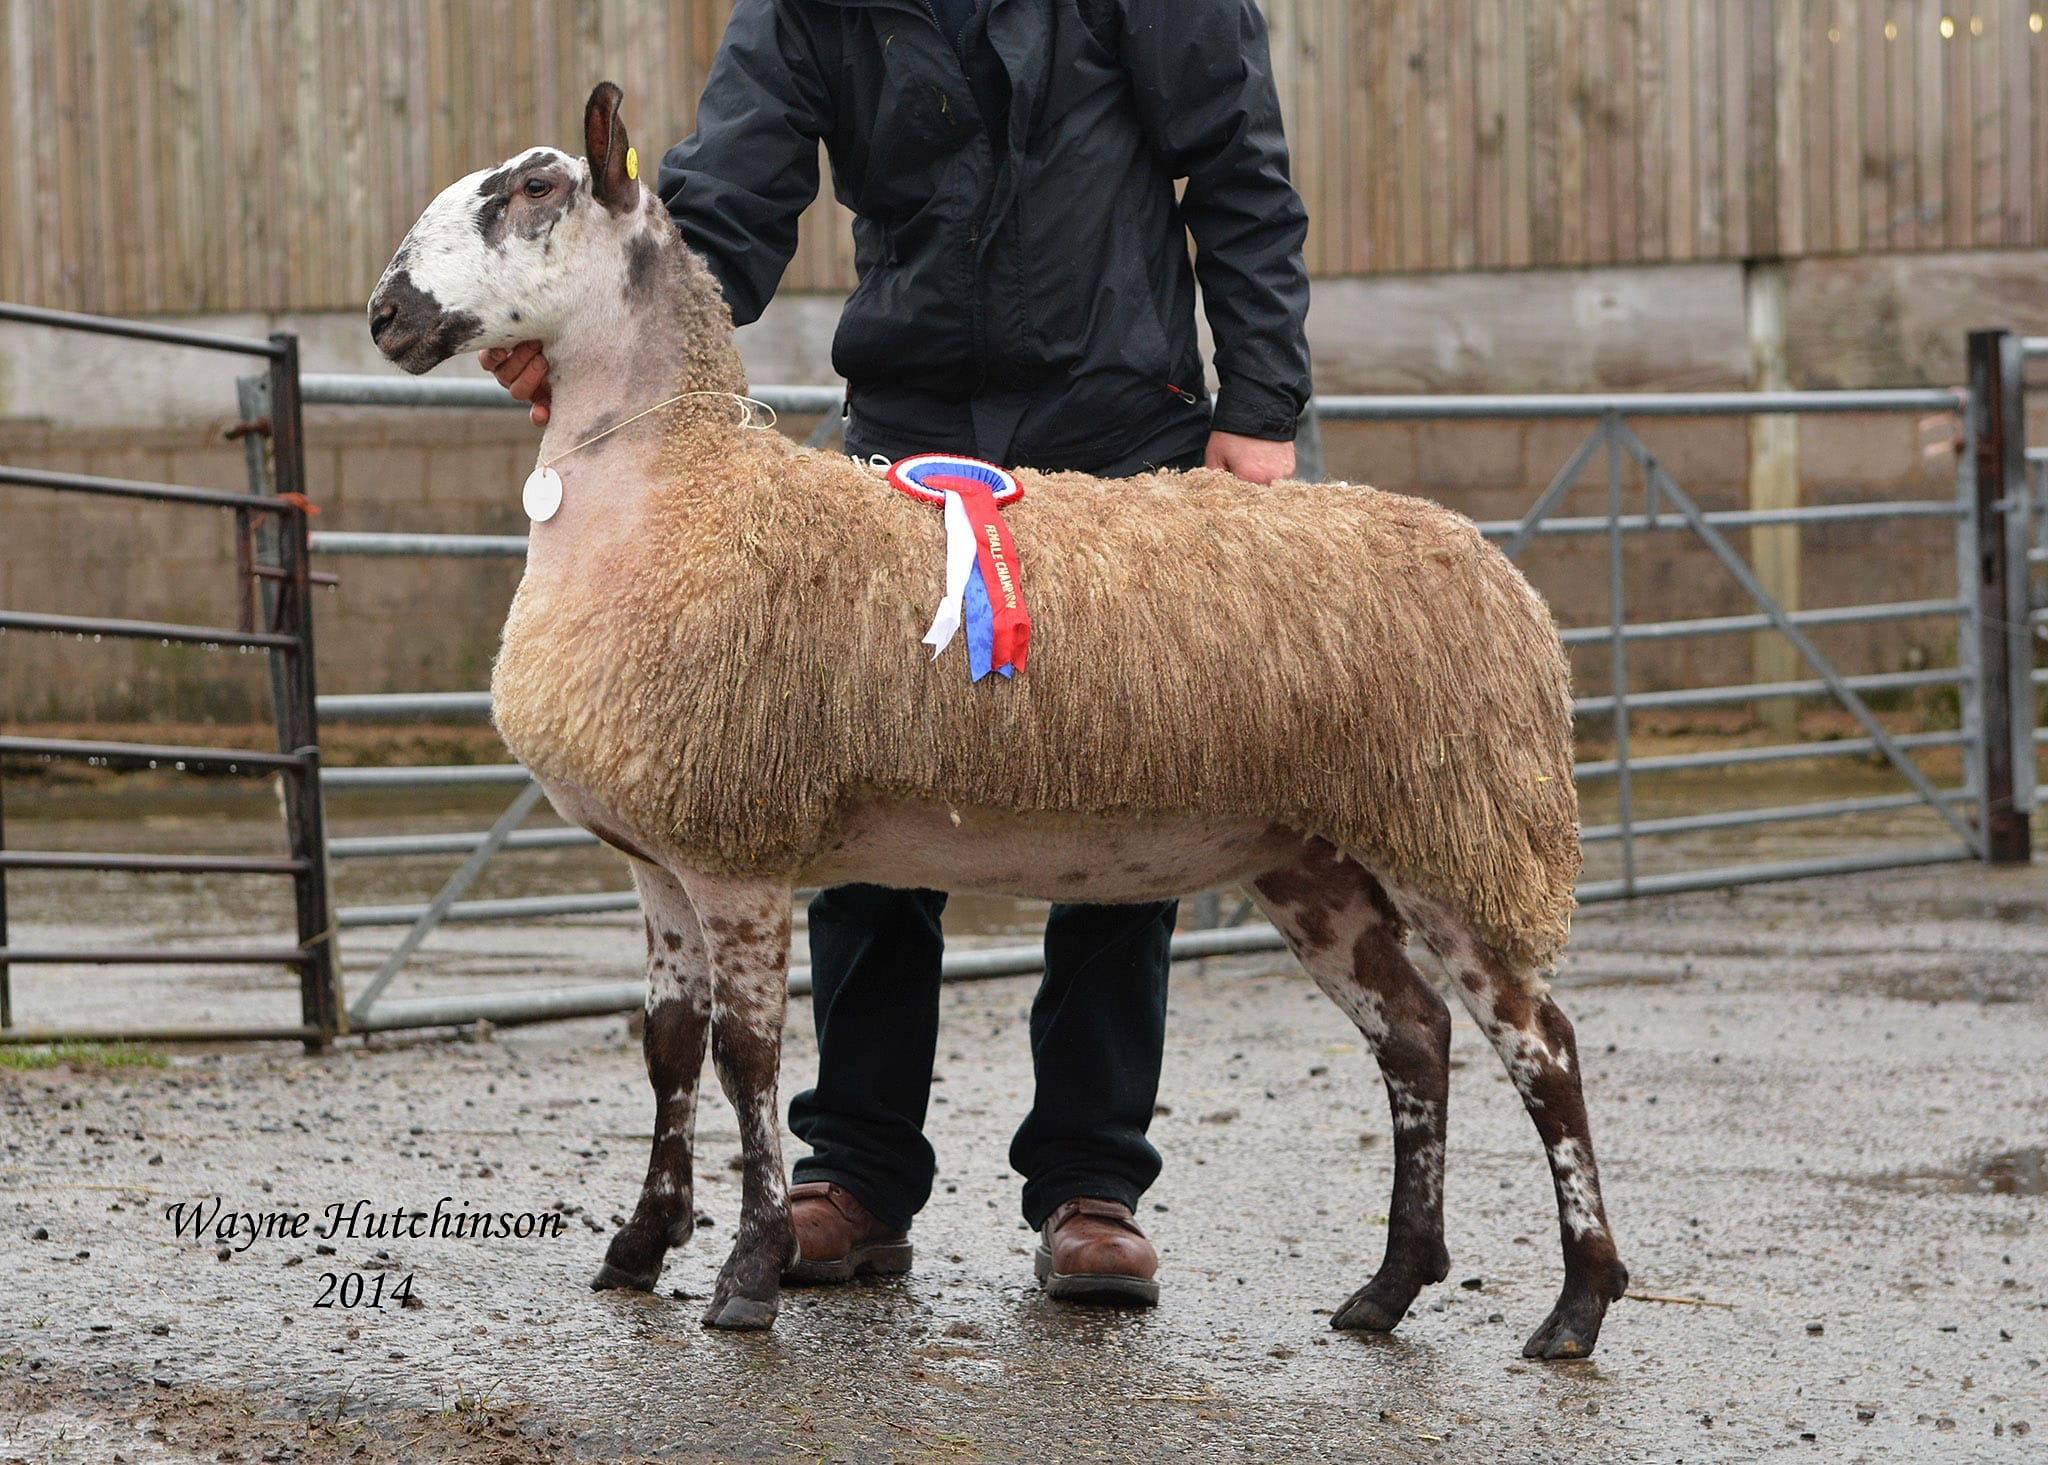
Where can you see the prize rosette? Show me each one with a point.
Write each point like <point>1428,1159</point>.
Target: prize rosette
<point>984,584</point>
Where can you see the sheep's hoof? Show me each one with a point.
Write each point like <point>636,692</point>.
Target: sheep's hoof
<point>741,1315</point>
<point>1573,1326</point>
<point>631,1264</point>
<point>616,1279</point>
<point>1372,1309</point>
<point>1560,1340</point>
<point>1380,1304</point>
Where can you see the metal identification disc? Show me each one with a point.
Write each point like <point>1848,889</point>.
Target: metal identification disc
<point>542,494</point>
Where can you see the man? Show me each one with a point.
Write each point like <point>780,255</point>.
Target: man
<point>1025,296</point>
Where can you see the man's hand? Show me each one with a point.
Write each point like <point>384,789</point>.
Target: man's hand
<point>523,371</point>
<point>1253,459</point>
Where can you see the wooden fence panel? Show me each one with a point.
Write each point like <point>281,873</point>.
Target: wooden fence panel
<point>239,155</point>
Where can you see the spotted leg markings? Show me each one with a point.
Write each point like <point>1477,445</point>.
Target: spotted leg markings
<point>746,938</point>
<point>1348,936</point>
<point>678,1020</point>
<point>1537,1046</point>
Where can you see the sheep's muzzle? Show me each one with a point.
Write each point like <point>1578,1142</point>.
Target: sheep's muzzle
<point>413,329</point>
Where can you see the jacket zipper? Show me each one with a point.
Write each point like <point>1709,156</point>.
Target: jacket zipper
<point>979,327</point>
<point>958,55</point>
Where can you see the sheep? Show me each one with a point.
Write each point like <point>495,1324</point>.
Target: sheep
<point>1342,699</point>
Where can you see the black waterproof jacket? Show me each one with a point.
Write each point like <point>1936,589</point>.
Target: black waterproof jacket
<point>1025,293</point>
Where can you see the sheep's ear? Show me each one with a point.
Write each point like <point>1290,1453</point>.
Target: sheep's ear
<point>613,178</point>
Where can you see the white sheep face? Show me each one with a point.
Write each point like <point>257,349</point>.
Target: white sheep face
<point>501,256</point>
<point>526,250</point>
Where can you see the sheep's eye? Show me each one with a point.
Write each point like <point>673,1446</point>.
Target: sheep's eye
<point>538,188</point>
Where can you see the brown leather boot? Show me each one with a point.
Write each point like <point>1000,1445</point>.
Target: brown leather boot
<point>1092,1251</point>
<point>838,1238</point>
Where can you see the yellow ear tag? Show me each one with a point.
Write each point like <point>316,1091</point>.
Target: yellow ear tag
<point>632,164</point>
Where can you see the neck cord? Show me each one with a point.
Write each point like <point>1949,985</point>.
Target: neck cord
<point>747,405</point>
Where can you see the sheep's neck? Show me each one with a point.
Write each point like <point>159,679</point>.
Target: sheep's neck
<point>617,365</point>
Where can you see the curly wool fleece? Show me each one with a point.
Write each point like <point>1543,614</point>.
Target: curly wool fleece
<point>1350,663</point>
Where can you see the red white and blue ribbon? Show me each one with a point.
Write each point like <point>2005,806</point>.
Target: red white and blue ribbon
<point>988,604</point>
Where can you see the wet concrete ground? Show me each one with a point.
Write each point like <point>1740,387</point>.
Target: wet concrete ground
<point>1821,1108</point>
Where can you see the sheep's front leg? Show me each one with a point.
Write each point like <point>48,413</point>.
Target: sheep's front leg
<point>1338,921</point>
<point>746,936</point>
<point>678,1017</point>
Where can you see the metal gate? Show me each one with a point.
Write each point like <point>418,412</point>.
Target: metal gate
<point>1995,521</point>
<point>1613,440</point>
<point>271,556</point>
<point>2023,471</point>
<point>1619,444</point>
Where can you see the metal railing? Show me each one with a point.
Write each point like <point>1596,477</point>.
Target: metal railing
<point>2030,504</point>
<point>1669,509</point>
<point>1998,516</point>
<point>272,563</point>
<point>1612,440</point>
<point>1996,448</point>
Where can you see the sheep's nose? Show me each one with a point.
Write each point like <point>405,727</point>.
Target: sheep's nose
<point>381,319</point>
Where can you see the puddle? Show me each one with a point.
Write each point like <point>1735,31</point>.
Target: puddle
<point>1986,984</point>
<point>2016,1172</point>
<point>2008,1172</point>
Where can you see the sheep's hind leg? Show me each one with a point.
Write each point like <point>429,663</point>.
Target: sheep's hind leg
<point>746,934</point>
<point>678,1017</point>
<point>1535,1041</point>
<point>1345,932</point>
